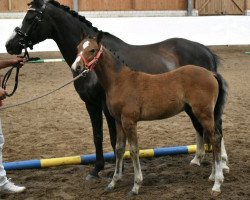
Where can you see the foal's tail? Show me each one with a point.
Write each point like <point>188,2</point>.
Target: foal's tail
<point>221,100</point>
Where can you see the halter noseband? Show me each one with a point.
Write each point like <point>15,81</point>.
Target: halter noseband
<point>90,65</point>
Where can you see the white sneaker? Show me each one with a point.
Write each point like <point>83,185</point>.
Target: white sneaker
<point>10,187</point>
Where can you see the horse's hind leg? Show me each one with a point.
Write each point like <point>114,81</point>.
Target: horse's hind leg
<point>200,150</point>
<point>224,157</point>
<point>119,152</point>
<point>213,137</point>
<point>223,149</point>
<point>218,171</point>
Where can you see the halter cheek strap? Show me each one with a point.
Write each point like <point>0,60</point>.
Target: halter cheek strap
<point>90,65</point>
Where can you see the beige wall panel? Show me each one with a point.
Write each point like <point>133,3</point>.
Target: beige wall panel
<point>160,4</point>
<point>67,2</point>
<point>4,5</point>
<point>19,5</point>
<point>209,7</point>
<point>89,5</point>
<point>221,7</point>
<point>247,4</point>
<point>233,7</point>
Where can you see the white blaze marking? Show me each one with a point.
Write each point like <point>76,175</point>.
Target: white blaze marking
<point>85,44</point>
<point>13,34</point>
<point>74,65</point>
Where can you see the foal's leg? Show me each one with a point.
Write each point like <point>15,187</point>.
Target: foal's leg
<point>214,138</point>
<point>224,157</point>
<point>129,128</point>
<point>95,113</point>
<point>200,150</point>
<point>219,178</point>
<point>120,150</point>
<point>223,149</point>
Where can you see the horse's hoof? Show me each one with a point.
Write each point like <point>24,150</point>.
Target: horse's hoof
<point>215,193</point>
<point>91,177</point>
<point>211,179</point>
<point>225,169</point>
<point>195,162</point>
<point>109,189</point>
<point>132,194</point>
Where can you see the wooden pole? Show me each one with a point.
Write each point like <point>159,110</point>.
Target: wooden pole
<point>190,7</point>
<point>75,5</point>
<point>10,5</point>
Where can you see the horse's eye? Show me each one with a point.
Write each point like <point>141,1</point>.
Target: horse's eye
<point>92,51</point>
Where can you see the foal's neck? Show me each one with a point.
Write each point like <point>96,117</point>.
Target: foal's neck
<point>108,70</point>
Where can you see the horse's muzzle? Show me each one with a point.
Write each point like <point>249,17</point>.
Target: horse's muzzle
<point>13,49</point>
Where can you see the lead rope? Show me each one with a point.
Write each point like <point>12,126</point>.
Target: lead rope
<point>8,74</point>
<point>83,74</point>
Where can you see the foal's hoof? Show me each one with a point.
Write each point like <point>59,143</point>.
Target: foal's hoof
<point>91,177</point>
<point>132,194</point>
<point>211,178</point>
<point>225,169</point>
<point>215,193</point>
<point>195,162</point>
<point>109,189</point>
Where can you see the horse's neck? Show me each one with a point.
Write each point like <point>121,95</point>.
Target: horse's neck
<point>114,43</point>
<point>67,33</point>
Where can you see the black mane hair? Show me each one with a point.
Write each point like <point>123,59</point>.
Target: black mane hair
<point>76,15</point>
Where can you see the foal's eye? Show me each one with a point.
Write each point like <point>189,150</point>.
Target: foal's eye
<point>92,51</point>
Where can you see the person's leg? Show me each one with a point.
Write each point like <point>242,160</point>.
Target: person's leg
<point>3,178</point>
<point>6,186</point>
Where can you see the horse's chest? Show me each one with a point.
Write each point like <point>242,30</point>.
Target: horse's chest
<point>114,105</point>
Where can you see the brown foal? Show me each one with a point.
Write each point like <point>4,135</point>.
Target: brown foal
<point>134,96</point>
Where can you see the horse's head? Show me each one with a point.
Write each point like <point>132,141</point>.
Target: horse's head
<point>89,51</point>
<point>33,29</point>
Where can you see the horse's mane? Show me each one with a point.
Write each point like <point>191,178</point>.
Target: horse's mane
<point>76,15</point>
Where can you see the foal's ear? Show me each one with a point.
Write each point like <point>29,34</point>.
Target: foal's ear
<point>99,37</point>
<point>83,36</point>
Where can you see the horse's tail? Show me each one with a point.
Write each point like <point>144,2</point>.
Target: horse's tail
<point>221,100</point>
<point>214,58</point>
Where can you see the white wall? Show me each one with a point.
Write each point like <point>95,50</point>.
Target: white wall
<point>212,30</point>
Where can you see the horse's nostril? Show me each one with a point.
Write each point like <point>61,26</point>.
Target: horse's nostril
<point>78,68</point>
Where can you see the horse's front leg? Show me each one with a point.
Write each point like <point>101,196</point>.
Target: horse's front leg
<point>112,131</point>
<point>129,128</point>
<point>119,152</point>
<point>95,113</point>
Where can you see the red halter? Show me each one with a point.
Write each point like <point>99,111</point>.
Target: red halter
<point>90,65</point>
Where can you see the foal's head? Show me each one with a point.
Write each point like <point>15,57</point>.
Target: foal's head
<point>88,52</point>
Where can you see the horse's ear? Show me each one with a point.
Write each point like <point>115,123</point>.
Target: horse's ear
<point>99,37</point>
<point>83,36</point>
<point>39,3</point>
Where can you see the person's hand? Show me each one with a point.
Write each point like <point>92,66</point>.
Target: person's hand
<point>3,94</point>
<point>19,61</point>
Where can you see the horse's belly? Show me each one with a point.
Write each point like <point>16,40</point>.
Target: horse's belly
<point>160,111</point>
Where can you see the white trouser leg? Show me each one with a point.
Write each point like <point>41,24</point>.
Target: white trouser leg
<point>3,178</point>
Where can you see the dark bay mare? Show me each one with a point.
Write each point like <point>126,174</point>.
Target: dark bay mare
<point>131,97</point>
<point>50,20</point>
